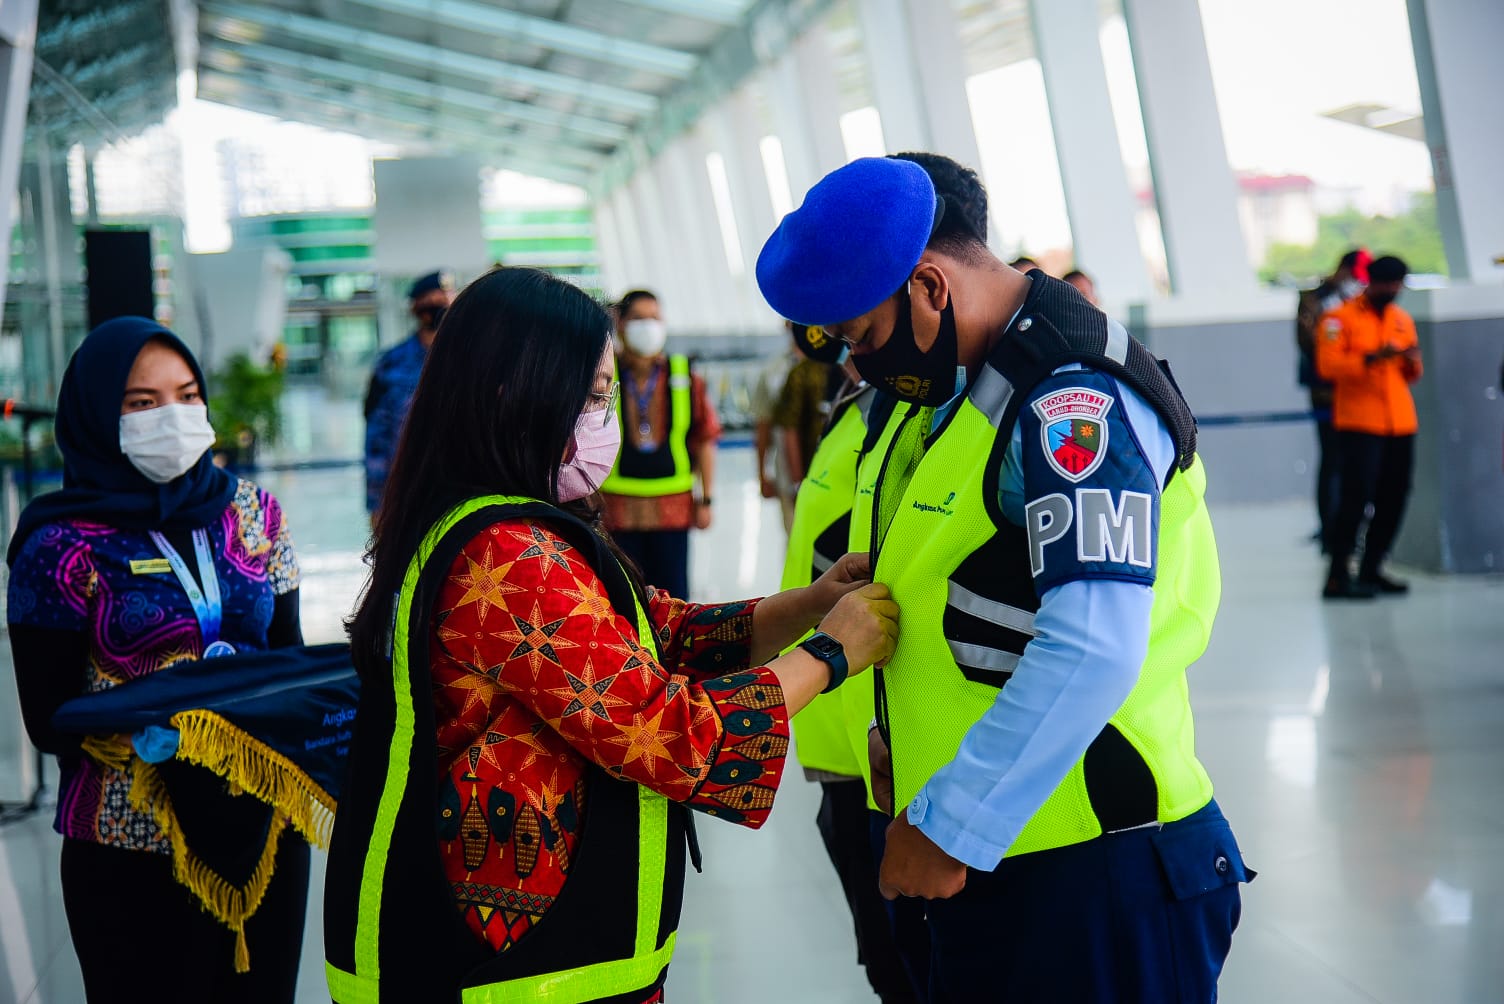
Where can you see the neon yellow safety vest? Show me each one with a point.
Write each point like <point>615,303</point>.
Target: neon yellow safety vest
<point>822,518</point>
<point>665,470</point>
<point>392,932</point>
<point>937,685</point>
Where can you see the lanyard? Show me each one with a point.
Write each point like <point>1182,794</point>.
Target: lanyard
<point>207,606</point>
<point>644,401</point>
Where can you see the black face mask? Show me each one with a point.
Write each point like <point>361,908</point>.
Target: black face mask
<point>429,318</point>
<point>900,369</point>
<point>1380,300</point>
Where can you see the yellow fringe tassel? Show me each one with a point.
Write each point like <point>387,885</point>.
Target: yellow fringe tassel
<point>230,906</point>
<point>110,751</point>
<point>251,766</point>
<point>248,766</point>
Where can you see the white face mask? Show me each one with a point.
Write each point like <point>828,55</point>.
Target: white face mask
<point>1349,288</point>
<point>164,443</point>
<point>595,450</point>
<point>646,336</point>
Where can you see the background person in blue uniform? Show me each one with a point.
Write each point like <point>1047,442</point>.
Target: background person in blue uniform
<point>1094,920</point>
<point>395,377</point>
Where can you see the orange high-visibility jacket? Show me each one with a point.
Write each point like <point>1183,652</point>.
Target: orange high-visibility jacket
<point>1369,397</point>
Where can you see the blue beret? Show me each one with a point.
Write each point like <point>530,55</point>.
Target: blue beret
<point>851,245</point>
<point>429,283</point>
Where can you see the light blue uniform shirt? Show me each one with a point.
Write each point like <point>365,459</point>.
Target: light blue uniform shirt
<point>1092,634</point>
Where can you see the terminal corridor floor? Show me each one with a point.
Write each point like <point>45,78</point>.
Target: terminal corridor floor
<point>1356,749</point>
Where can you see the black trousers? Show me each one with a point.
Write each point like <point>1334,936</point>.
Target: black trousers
<point>844,829</point>
<point>1328,474</point>
<point>140,936</point>
<point>663,556</point>
<point>1376,471</point>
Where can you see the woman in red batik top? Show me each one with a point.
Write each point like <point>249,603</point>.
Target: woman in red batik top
<point>545,693</point>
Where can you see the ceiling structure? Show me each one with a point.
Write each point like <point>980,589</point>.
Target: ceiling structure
<point>553,88</point>
<point>104,69</point>
<point>578,91</point>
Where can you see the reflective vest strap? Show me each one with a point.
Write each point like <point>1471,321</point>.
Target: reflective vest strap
<point>652,859</point>
<point>372,878</point>
<point>347,988</point>
<point>576,986</point>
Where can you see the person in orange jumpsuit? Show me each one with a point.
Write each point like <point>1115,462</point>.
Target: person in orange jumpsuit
<point>1367,349</point>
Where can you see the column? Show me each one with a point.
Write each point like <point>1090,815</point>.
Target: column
<point>940,67</point>
<point>650,267</point>
<point>895,79</point>
<point>676,292</point>
<point>1193,184</point>
<point>699,232</point>
<point>18,22</point>
<point>744,306</point>
<point>691,306</point>
<point>806,112</point>
<point>735,133</point>
<point>635,255</point>
<point>607,246</point>
<point>1098,198</point>
<point>1461,76</point>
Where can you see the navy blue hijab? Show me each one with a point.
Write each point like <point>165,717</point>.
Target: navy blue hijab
<point>99,483</point>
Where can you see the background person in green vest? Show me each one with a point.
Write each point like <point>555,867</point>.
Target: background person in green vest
<point>1039,518</point>
<point>533,720</point>
<point>669,435</point>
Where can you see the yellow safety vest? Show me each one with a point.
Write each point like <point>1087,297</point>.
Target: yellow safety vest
<point>391,931</point>
<point>665,470</point>
<point>937,685</point>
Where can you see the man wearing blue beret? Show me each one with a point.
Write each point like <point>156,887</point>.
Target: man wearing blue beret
<point>394,378</point>
<point>1040,520</point>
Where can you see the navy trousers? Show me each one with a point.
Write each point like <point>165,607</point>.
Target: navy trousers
<point>662,556</point>
<point>1142,916</point>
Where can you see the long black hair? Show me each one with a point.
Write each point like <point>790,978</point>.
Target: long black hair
<point>510,370</point>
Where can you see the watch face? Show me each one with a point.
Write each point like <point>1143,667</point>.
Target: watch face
<point>824,645</point>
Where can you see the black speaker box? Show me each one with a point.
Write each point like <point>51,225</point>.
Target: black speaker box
<point>120,280</point>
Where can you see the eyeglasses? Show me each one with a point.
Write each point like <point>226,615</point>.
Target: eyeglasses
<point>607,407</point>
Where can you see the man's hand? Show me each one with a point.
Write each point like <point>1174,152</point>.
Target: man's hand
<point>914,866</point>
<point>769,487</point>
<point>882,770</point>
<point>702,515</point>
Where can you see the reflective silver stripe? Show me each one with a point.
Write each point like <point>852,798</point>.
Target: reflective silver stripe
<point>991,611</point>
<point>990,394</point>
<point>1117,342</point>
<point>982,657</point>
<point>820,563</point>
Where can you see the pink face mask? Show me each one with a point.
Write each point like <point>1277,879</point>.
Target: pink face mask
<point>595,450</point>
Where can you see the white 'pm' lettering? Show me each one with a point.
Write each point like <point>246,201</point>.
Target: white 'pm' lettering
<point>1121,533</point>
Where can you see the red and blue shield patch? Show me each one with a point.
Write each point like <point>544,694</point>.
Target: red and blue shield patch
<point>1073,425</point>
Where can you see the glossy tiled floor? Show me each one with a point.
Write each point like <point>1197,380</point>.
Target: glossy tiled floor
<point>1357,750</point>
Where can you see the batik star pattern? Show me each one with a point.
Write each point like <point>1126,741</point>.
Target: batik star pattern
<point>535,676</point>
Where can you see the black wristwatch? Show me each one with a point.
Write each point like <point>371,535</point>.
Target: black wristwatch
<point>829,651</point>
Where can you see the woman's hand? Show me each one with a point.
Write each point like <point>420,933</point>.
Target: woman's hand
<point>865,622</point>
<point>851,571</point>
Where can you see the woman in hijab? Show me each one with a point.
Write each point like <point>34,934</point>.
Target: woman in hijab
<point>533,722</point>
<point>150,556</point>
